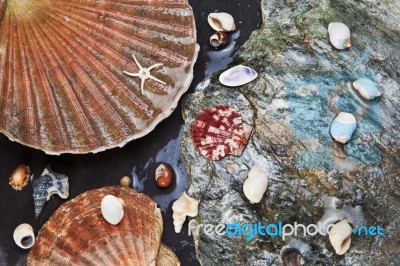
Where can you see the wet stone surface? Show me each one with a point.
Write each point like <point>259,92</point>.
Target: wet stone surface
<point>303,84</point>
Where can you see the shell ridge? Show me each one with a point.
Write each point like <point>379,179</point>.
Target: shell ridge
<point>54,108</point>
<point>98,96</point>
<point>181,29</point>
<point>170,56</point>
<point>113,79</point>
<point>129,243</point>
<point>59,75</point>
<point>8,36</point>
<point>29,98</point>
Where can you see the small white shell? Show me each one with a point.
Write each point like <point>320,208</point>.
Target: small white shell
<point>221,22</point>
<point>182,207</point>
<point>340,236</point>
<point>255,185</point>
<point>367,88</point>
<point>343,127</point>
<point>237,76</point>
<point>24,236</point>
<point>339,35</point>
<point>112,209</point>
<point>219,39</point>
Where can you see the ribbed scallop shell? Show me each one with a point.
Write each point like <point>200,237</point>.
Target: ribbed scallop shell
<point>62,82</point>
<point>219,131</point>
<point>78,234</point>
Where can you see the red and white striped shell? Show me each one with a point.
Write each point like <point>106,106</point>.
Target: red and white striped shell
<point>77,233</point>
<point>219,131</point>
<point>79,76</point>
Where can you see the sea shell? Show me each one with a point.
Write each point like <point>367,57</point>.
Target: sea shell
<point>48,184</point>
<point>291,257</point>
<point>125,181</point>
<point>219,131</point>
<point>343,127</point>
<point>166,257</point>
<point>85,76</point>
<point>24,236</point>
<point>20,177</point>
<point>219,39</point>
<point>221,22</point>
<point>164,176</point>
<point>237,76</point>
<point>112,209</point>
<point>182,207</point>
<point>367,88</point>
<point>339,35</point>
<point>340,236</point>
<point>77,234</point>
<point>255,185</point>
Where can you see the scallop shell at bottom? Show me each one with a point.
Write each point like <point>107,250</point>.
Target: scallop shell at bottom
<point>79,76</point>
<point>78,234</point>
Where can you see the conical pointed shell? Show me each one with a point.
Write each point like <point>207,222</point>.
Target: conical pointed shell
<point>182,207</point>
<point>64,67</point>
<point>221,22</point>
<point>77,234</point>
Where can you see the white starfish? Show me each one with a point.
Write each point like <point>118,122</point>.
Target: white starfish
<point>144,73</point>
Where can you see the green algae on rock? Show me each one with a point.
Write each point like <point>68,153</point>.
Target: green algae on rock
<point>304,82</point>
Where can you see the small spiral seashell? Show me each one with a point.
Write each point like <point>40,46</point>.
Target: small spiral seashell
<point>112,209</point>
<point>48,184</point>
<point>24,236</point>
<point>237,76</point>
<point>20,177</point>
<point>339,35</point>
<point>340,236</point>
<point>219,39</point>
<point>221,22</point>
<point>164,176</point>
<point>343,127</point>
<point>291,257</point>
<point>255,185</point>
<point>367,88</point>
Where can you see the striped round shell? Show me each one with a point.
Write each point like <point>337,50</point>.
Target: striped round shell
<point>219,131</point>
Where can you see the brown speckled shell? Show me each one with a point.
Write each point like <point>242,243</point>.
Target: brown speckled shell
<point>62,83</point>
<point>219,131</point>
<point>77,233</point>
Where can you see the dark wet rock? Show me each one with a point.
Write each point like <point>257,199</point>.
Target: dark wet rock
<point>303,84</point>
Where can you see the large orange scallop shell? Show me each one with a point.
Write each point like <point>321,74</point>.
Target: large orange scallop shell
<point>64,65</point>
<point>78,234</point>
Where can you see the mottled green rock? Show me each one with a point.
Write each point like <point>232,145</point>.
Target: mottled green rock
<point>303,84</point>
